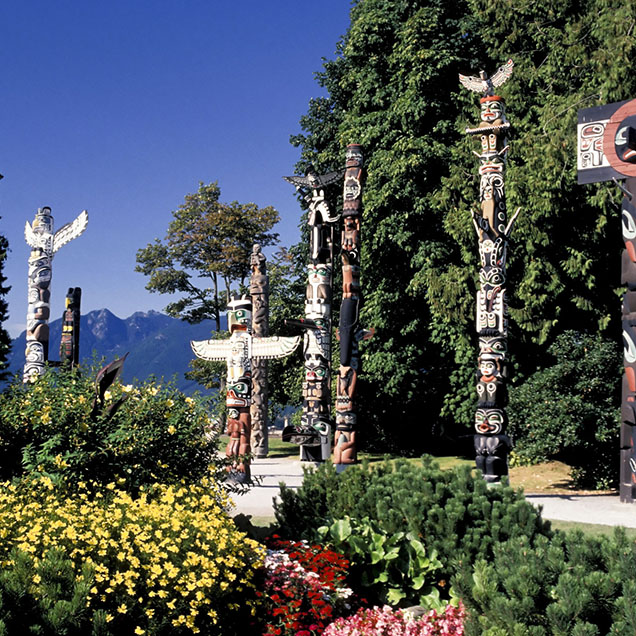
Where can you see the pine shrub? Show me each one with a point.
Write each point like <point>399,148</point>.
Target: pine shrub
<point>568,584</point>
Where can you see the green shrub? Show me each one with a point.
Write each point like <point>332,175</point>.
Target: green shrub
<point>167,562</point>
<point>568,585</point>
<point>569,410</point>
<point>455,516</point>
<point>47,597</point>
<point>140,434</point>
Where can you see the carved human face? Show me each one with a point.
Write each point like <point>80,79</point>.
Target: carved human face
<point>489,421</point>
<point>491,110</point>
<point>354,156</point>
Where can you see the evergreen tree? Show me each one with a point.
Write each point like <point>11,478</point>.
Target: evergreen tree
<point>5,339</point>
<point>394,88</point>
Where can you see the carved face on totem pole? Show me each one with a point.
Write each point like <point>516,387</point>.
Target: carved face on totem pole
<point>493,111</point>
<point>239,315</point>
<point>489,421</point>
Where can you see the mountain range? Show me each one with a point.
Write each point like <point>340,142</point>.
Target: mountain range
<point>158,345</point>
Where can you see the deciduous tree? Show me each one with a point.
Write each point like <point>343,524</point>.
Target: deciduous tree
<point>208,242</point>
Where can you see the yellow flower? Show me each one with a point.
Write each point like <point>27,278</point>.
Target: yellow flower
<point>171,429</point>
<point>122,609</point>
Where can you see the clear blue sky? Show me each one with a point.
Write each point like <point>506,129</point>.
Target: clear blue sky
<point>122,107</point>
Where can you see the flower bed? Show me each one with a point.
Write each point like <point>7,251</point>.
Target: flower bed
<point>387,621</point>
<point>303,589</point>
<point>167,562</point>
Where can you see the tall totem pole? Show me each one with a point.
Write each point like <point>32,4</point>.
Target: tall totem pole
<point>259,291</point>
<point>44,244</point>
<point>493,229</point>
<point>349,332</point>
<point>606,144</point>
<point>314,435</point>
<point>69,342</point>
<point>239,352</point>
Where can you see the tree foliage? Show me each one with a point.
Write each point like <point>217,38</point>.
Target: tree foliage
<point>5,339</point>
<point>568,412</point>
<point>207,241</point>
<point>393,87</point>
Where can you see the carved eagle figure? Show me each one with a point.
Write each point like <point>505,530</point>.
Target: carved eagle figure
<point>63,236</point>
<point>313,180</point>
<point>483,83</point>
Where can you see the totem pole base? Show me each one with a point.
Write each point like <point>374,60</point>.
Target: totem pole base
<point>319,453</point>
<point>628,493</point>
<point>238,478</point>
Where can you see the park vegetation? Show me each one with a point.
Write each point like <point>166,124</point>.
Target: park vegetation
<point>114,518</point>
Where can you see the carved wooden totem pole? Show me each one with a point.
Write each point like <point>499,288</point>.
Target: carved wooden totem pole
<point>606,138</point>
<point>69,343</point>
<point>349,332</point>
<point>44,244</point>
<point>314,435</point>
<point>239,352</point>
<point>259,291</point>
<point>493,228</point>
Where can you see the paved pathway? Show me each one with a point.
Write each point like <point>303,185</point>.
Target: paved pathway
<point>599,509</point>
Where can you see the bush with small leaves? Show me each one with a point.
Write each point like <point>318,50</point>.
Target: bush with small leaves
<point>140,434</point>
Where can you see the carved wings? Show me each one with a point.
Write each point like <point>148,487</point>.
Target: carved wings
<point>502,74</point>
<point>484,84</point>
<point>70,231</point>
<point>263,348</point>
<point>211,349</point>
<point>274,346</point>
<point>313,180</point>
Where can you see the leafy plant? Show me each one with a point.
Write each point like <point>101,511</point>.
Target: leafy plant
<point>390,568</point>
<point>569,410</point>
<point>139,434</point>
<point>453,515</point>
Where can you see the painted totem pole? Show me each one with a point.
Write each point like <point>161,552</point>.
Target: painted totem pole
<point>349,332</point>
<point>239,352</point>
<point>44,244</point>
<point>606,148</point>
<point>493,229</point>
<point>69,343</point>
<point>259,291</point>
<point>314,435</point>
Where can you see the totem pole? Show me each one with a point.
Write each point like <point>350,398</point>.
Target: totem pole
<point>314,435</point>
<point>606,140</point>
<point>349,332</point>
<point>44,243</point>
<point>69,342</point>
<point>493,231</point>
<point>259,291</point>
<point>239,352</point>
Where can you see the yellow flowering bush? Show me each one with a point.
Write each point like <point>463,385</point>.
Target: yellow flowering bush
<point>168,561</point>
<point>142,434</point>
